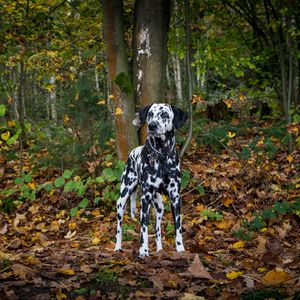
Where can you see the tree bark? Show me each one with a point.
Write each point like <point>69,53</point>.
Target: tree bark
<point>118,76</point>
<point>150,52</point>
<point>52,100</point>
<point>21,103</point>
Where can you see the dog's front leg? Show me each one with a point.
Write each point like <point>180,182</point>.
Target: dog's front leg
<point>176,207</point>
<point>159,211</point>
<point>144,225</point>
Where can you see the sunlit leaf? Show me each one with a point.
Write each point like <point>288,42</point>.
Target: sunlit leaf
<point>233,275</point>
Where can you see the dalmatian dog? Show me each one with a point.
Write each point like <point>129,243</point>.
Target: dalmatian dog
<point>155,167</point>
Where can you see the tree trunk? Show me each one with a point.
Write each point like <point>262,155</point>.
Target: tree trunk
<point>150,51</point>
<point>52,100</point>
<point>177,77</point>
<point>118,76</point>
<point>21,103</point>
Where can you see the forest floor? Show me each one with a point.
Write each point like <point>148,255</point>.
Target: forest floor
<point>230,252</point>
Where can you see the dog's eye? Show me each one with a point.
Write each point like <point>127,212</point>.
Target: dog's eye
<point>164,115</point>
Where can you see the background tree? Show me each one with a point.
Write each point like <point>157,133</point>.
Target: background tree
<point>150,51</point>
<point>118,75</point>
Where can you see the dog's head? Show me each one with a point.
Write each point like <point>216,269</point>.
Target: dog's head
<point>161,118</point>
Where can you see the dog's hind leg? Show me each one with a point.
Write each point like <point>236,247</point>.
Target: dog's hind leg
<point>128,185</point>
<point>159,211</point>
<point>133,203</point>
<point>144,218</point>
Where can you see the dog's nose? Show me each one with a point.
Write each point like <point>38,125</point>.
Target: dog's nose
<point>152,126</point>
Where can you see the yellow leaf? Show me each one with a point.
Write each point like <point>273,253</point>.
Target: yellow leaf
<point>231,134</point>
<point>242,97</point>
<point>118,111</point>
<point>72,76</point>
<point>108,163</point>
<point>101,102</point>
<point>36,237</point>
<point>52,53</point>
<point>77,178</point>
<point>290,158</point>
<point>11,123</point>
<point>228,102</point>
<point>66,271</point>
<point>77,96</point>
<point>233,275</point>
<point>72,225</point>
<point>33,260</point>
<point>227,202</point>
<point>66,119</point>
<point>239,244</point>
<point>276,276</point>
<point>264,229</point>
<point>31,185</point>
<point>261,270</point>
<point>60,295</point>
<point>111,97</point>
<point>5,136</point>
<point>95,241</point>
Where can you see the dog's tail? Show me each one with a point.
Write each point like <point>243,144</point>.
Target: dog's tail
<point>132,203</point>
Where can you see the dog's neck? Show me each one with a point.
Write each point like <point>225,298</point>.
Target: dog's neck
<point>163,146</point>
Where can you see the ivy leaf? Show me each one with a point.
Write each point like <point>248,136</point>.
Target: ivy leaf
<point>73,211</point>
<point>2,110</point>
<point>83,203</point>
<point>60,181</point>
<point>67,174</point>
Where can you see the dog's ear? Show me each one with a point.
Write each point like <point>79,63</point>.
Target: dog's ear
<point>141,116</point>
<point>180,117</point>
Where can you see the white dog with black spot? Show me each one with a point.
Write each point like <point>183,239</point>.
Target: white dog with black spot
<point>155,167</point>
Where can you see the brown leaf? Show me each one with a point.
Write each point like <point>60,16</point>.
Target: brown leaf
<point>4,229</point>
<point>188,296</point>
<point>276,276</point>
<point>22,271</point>
<point>261,248</point>
<point>197,270</point>
<point>157,282</point>
<point>19,218</point>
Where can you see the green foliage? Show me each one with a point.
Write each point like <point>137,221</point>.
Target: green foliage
<point>263,294</point>
<point>185,179</point>
<point>127,236</point>
<point>260,219</point>
<point>105,278</point>
<point>211,215</point>
<point>124,83</point>
<point>215,136</point>
<point>2,110</point>
<point>108,182</point>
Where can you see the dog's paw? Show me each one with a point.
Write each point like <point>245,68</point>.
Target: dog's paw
<point>143,253</point>
<point>118,249</point>
<point>180,248</point>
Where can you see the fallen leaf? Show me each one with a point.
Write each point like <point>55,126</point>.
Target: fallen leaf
<point>70,234</point>
<point>261,248</point>
<point>197,270</point>
<point>22,271</point>
<point>249,282</point>
<point>157,282</point>
<point>86,269</point>
<point>4,229</point>
<point>238,245</point>
<point>95,241</point>
<point>33,260</point>
<point>276,276</point>
<point>233,275</point>
<point>189,296</point>
<point>66,271</point>
<point>19,218</point>
<point>60,295</point>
